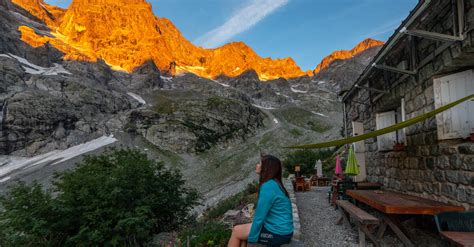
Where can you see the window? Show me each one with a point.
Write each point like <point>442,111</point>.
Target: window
<point>385,119</point>
<point>457,122</point>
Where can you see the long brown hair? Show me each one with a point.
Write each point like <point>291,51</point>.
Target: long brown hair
<point>271,169</point>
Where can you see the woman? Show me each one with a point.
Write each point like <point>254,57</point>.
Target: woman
<point>273,220</point>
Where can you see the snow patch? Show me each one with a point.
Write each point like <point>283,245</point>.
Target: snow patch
<point>284,95</point>
<point>166,78</point>
<point>137,98</point>
<point>11,163</point>
<point>3,111</point>
<point>222,84</point>
<point>264,107</point>
<point>297,90</point>
<point>38,70</point>
<point>318,113</point>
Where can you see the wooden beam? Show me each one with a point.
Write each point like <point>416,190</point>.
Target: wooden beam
<point>372,89</point>
<point>432,35</point>
<point>460,11</point>
<point>396,70</point>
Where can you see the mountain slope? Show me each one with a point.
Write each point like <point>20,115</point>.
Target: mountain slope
<point>125,34</point>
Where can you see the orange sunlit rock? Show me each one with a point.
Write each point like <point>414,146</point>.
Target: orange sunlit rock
<point>126,33</point>
<point>345,54</point>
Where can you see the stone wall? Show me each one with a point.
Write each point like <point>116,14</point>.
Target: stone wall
<point>442,170</point>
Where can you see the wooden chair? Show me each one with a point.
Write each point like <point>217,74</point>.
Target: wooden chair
<point>300,184</point>
<point>456,227</point>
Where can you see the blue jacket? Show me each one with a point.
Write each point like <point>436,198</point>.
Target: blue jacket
<point>273,211</point>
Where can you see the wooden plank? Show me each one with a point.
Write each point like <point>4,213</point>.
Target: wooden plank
<point>357,213</point>
<point>368,186</point>
<point>459,238</point>
<point>391,202</point>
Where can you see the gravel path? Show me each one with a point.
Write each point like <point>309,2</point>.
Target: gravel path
<point>319,229</point>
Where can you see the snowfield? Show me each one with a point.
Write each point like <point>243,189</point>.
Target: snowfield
<point>34,69</point>
<point>9,164</point>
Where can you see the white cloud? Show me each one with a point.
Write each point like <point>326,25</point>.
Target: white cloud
<point>243,19</point>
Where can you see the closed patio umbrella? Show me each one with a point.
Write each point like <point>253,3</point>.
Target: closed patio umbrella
<point>319,169</point>
<point>338,169</point>
<point>352,168</point>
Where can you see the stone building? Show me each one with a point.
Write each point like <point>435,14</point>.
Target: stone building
<point>428,62</point>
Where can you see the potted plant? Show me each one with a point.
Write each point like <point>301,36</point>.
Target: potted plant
<point>398,146</point>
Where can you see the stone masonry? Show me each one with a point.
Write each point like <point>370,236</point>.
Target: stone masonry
<point>442,170</point>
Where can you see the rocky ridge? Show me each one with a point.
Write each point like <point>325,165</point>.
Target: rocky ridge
<point>347,54</point>
<point>125,34</point>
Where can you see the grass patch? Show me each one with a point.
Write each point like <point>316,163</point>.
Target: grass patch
<point>303,118</point>
<point>209,232</point>
<point>296,132</point>
<point>249,195</point>
<point>317,126</point>
<point>163,105</point>
<point>214,102</point>
<point>206,234</point>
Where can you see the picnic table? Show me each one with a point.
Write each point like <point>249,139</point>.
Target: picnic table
<point>393,204</point>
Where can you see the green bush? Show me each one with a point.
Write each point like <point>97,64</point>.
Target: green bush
<point>208,234</point>
<point>306,158</point>
<point>118,198</point>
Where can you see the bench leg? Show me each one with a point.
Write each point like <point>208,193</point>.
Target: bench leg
<point>398,230</point>
<point>343,218</point>
<point>381,231</point>
<point>361,237</point>
<point>369,234</point>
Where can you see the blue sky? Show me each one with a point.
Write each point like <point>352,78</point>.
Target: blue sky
<point>306,30</point>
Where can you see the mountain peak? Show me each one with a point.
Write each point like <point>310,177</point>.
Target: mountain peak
<point>345,54</point>
<point>126,34</point>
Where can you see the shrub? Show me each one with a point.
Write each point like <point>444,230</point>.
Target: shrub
<point>118,198</point>
<point>306,158</point>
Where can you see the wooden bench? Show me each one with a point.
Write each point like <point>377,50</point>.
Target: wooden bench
<point>364,221</point>
<point>459,238</point>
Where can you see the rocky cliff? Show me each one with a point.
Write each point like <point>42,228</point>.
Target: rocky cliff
<point>125,34</point>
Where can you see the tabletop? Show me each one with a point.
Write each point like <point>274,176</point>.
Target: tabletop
<point>391,202</point>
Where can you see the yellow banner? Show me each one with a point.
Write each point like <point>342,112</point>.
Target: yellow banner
<point>384,130</point>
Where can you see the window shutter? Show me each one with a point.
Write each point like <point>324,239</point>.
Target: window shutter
<point>385,119</point>
<point>455,122</point>
<point>358,129</point>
